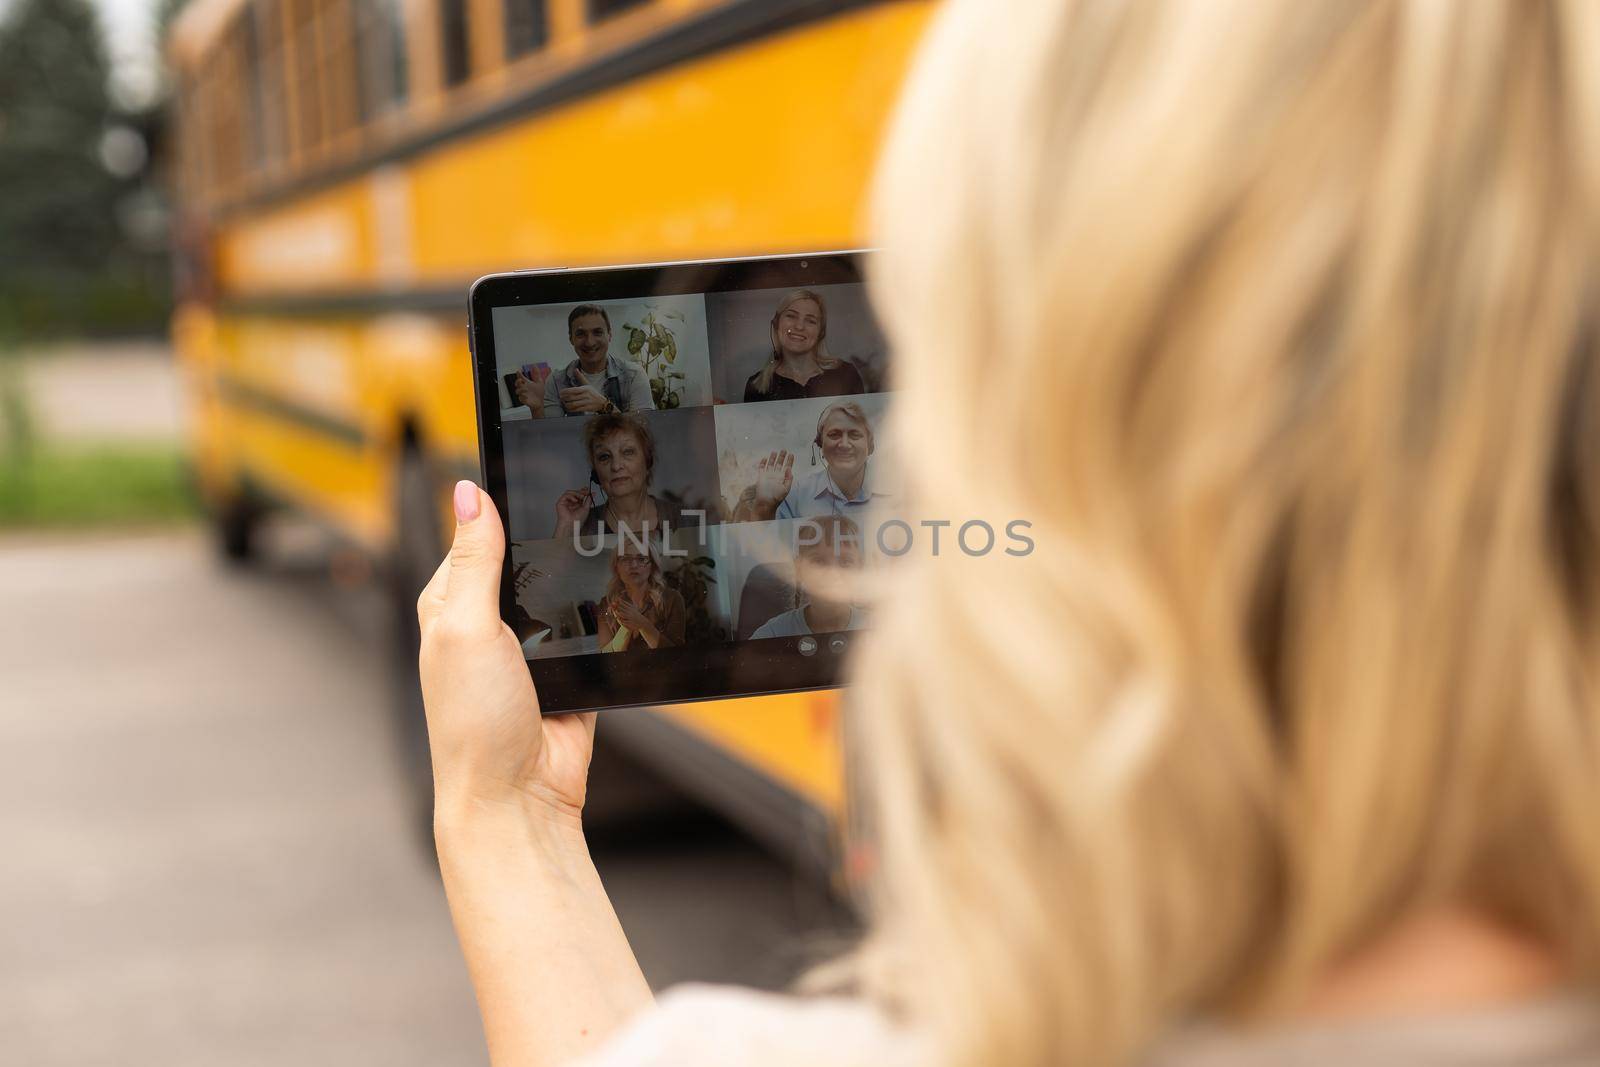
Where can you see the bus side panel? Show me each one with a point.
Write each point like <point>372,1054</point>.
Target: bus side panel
<point>195,348</point>
<point>302,434</point>
<point>315,244</point>
<point>792,737</point>
<point>415,377</point>
<point>761,148</point>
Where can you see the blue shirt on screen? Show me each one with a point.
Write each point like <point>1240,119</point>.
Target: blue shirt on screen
<point>813,495</point>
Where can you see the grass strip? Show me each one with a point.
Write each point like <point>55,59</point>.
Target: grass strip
<point>53,485</point>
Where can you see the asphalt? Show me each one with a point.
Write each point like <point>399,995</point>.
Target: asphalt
<point>209,855</point>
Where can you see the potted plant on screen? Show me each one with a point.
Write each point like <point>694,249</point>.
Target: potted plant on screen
<point>653,344</point>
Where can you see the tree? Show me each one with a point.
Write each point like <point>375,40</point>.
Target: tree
<point>58,226</point>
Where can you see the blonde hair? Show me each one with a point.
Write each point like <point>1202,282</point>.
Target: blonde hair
<point>1303,295</point>
<point>656,585</point>
<point>825,361</point>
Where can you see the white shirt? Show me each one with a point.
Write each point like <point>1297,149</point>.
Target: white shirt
<point>712,1026</point>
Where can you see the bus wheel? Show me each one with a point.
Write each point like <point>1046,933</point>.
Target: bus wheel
<point>234,524</point>
<point>418,547</point>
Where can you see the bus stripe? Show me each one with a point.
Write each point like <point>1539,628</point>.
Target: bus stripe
<point>243,395</point>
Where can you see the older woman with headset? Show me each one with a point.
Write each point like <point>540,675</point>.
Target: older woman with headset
<point>800,365</point>
<point>1283,746</point>
<point>622,462</point>
<point>843,443</point>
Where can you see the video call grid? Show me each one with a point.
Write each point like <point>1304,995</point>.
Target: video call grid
<point>721,466</point>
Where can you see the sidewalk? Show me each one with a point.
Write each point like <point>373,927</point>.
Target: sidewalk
<point>105,391</point>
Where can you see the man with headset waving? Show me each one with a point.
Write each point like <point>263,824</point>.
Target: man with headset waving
<point>841,485</point>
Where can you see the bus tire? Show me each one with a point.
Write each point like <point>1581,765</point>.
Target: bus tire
<point>235,523</point>
<point>418,546</point>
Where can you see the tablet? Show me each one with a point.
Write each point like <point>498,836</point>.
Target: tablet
<point>688,462</point>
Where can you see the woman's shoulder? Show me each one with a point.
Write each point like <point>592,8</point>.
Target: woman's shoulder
<point>712,1026</point>
<point>843,379</point>
<point>1559,1030</point>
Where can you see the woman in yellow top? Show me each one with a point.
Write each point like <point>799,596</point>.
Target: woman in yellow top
<point>639,610</point>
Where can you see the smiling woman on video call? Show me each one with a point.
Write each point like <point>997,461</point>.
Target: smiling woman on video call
<point>1283,746</point>
<point>800,365</point>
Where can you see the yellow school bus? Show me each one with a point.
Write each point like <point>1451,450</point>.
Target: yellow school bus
<point>345,168</point>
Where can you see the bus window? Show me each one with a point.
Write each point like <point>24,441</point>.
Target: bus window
<point>227,125</point>
<point>337,66</point>
<point>306,77</point>
<point>381,53</point>
<point>453,39</point>
<point>264,76</point>
<point>526,29</point>
<point>254,132</point>
<point>604,9</point>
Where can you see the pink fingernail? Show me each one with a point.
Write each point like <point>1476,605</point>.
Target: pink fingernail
<point>466,501</point>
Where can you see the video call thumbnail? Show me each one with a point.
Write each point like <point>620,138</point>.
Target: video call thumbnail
<point>575,359</point>
<point>600,473</point>
<point>801,458</point>
<point>755,331</point>
<point>793,577</point>
<point>618,593</point>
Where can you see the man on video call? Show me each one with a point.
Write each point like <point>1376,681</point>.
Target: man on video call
<point>594,382</point>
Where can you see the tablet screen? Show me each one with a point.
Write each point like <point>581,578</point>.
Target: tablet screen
<point>694,475</point>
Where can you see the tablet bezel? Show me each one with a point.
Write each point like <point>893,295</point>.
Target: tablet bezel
<point>647,677</point>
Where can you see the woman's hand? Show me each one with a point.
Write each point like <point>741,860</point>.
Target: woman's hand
<point>631,616</point>
<point>774,476</point>
<point>492,751</point>
<point>572,508</point>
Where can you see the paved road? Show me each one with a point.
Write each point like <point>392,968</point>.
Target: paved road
<point>126,391</point>
<point>208,858</point>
